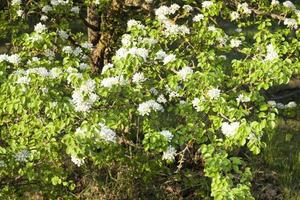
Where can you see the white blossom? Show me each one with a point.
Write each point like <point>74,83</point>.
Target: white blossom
<point>238,30</point>
<point>271,53</point>
<point>148,1</point>
<point>39,28</point>
<point>111,81</point>
<point>122,53</point>
<point>46,9</point>
<point>4,57</point>
<point>291,104</point>
<point>146,107</point>
<point>67,49</point>
<point>244,8</point>
<point>198,18</point>
<point>167,134</point>
<point>81,131</point>
<point>243,98</point>
<point>169,154</point>
<point>14,59</point>
<point>211,28</point>
<point>195,104</point>
<point>88,86</point>
<point>20,13</point>
<point>272,103</point>
<point>59,2</point>
<point>187,8</point>
<point>23,80</point>
<point>207,4</point>
<point>161,99</point>
<point>133,23</point>
<point>153,91</point>
<point>291,23</point>
<point>75,9</point>
<point>33,60</point>
<point>107,67</point>
<point>77,161</point>
<point>142,52</point>
<point>106,133</point>
<point>297,12</point>
<point>83,97</point>
<point>174,29</point>
<point>185,72</point>
<point>22,156</point>
<point>280,105</point>
<point>63,34</point>
<point>138,78</point>
<point>49,53</point>
<point>126,40</point>
<point>230,129</point>
<point>289,4</point>
<point>77,51</point>
<point>235,43</point>
<point>160,55</point>
<point>173,94</point>
<point>182,102</point>
<point>213,93</point>
<point>83,66</point>
<point>234,16</point>
<point>169,58</point>
<point>173,8</point>
<point>274,2</point>
<point>161,12</point>
<point>16,2</point>
<point>44,18</point>
<point>87,45</point>
<point>42,71</point>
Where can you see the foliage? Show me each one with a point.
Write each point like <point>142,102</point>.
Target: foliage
<point>182,89</point>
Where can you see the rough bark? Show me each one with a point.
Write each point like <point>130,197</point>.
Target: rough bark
<point>104,39</point>
<point>93,23</point>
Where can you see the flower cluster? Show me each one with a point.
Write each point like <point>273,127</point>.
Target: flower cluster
<point>106,133</point>
<point>162,14</point>
<point>243,8</point>
<point>84,97</point>
<point>163,11</point>
<point>123,52</point>
<point>111,81</point>
<point>243,98</point>
<point>77,161</point>
<point>213,93</point>
<point>169,154</point>
<point>22,156</point>
<point>138,78</point>
<point>167,134</point>
<point>291,104</point>
<point>40,28</point>
<point>230,129</point>
<point>13,59</point>
<point>291,23</point>
<point>71,51</point>
<point>146,107</point>
<point>134,24</point>
<point>185,72</point>
<point>235,43</point>
<point>59,2</point>
<point>271,53</point>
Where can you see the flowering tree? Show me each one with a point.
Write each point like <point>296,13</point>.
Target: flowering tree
<point>182,84</point>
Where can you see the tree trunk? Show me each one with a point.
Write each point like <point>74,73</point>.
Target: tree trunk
<point>104,39</point>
